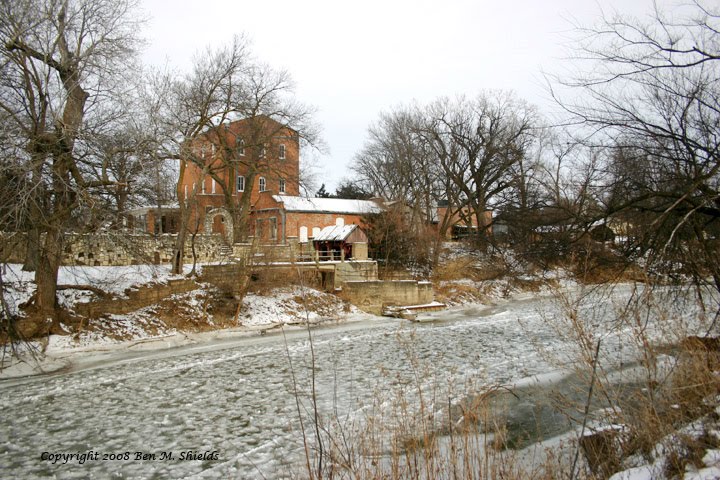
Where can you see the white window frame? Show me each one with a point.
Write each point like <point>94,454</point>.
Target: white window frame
<point>262,184</point>
<point>212,187</point>
<point>281,151</point>
<point>241,147</point>
<point>202,184</point>
<point>240,183</point>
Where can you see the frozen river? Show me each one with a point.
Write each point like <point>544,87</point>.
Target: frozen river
<point>232,405</point>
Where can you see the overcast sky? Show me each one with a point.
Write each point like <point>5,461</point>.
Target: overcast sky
<point>353,60</point>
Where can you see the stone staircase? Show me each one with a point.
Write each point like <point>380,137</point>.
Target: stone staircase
<point>225,250</point>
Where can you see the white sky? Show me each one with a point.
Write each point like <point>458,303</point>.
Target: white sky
<point>353,60</point>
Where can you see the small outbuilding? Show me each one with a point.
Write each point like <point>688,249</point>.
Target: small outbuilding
<point>341,242</point>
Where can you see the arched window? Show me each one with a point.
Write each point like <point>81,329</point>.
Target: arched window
<point>303,234</point>
<point>241,147</point>
<point>262,183</point>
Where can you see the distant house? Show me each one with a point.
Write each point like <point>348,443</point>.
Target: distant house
<point>283,218</point>
<point>462,223</point>
<point>156,220</point>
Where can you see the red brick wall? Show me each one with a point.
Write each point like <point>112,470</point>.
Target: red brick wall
<point>268,209</point>
<point>295,220</point>
<point>271,167</point>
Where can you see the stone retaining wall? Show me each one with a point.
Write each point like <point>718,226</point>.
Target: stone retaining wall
<point>372,296</point>
<point>137,298</point>
<point>230,278</point>
<point>117,250</point>
<point>355,271</point>
<point>110,249</point>
<point>120,249</point>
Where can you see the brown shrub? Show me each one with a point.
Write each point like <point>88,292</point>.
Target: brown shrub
<point>470,267</point>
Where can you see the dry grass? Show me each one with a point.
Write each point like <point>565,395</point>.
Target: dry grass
<point>594,263</point>
<point>470,268</point>
<point>416,431</point>
<point>263,281</point>
<point>459,293</point>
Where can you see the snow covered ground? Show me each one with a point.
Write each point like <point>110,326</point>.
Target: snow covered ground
<point>143,329</point>
<point>114,280</point>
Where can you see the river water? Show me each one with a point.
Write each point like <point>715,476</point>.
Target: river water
<point>232,406</point>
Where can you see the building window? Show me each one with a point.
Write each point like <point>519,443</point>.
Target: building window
<point>281,188</point>
<point>263,184</point>
<point>263,151</point>
<point>212,188</point>
<point>202,185</point>
<point>281,153</point>
<point>240,183</point>
<point>241,147</point>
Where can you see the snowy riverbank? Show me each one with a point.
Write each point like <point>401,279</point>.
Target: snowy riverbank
<point>61,353</point>
<point>195,317</point>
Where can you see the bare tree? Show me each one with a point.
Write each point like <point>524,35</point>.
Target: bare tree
<point>195,110</point>
<point>466,155</point>
<point>480,144</point>
<point>59,58</point>
<point>127,153</point>
<point>651,94</point>
<point>396,163</point>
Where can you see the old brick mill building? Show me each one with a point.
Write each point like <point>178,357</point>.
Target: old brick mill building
<point>249,169</point>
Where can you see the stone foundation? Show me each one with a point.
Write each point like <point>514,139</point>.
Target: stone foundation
<point>120,249</point>
<point>353,271</point>
<point>231,278</point>
<point>373,295</point>
<point>110,250</point>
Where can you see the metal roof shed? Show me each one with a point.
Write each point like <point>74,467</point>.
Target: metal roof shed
<point>335,242</point>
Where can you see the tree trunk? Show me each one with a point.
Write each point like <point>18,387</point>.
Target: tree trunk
<point>241,224</point>
<point>32,251</point>
<point>179,251</point>
<point>46,275</point>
